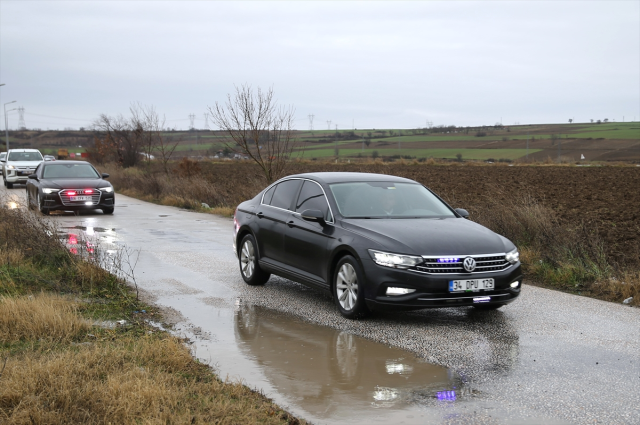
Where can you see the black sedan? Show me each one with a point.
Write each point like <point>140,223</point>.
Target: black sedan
<point>374,242</point>
<point>70,186</point>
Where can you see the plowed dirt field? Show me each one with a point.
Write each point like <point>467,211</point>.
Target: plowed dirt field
<point>607,199</point>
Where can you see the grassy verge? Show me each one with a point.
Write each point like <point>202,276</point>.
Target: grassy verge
<point>57,365</point>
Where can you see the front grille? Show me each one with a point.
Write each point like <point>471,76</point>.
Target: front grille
<point>454,265</point>
<point>25,171</point>
<point>66,199</point>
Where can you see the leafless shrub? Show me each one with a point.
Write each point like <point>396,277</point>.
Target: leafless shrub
<point>259,128</point>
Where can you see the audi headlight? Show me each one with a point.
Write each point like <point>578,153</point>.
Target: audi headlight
<point>107,189</point>
<point>48,190</point>
<point>513,256</point>
<point>396,261</point>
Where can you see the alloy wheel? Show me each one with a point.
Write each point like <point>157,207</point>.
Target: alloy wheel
<point>347,287</point>
<point>248,259</point>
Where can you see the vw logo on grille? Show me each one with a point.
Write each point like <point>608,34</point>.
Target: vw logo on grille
<point>469,264</point>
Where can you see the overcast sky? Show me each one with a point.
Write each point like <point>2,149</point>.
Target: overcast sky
<point>356,64</point>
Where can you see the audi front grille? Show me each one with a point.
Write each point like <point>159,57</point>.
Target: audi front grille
<point>67,202</point>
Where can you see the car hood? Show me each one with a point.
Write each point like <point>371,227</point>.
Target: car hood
<point>448,236</point>
<point>30,164</point>
<point>74,183</point>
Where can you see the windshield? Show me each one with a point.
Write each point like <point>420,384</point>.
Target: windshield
<point>69,171</point>
<point>24,156</point>
<point>387,200</point>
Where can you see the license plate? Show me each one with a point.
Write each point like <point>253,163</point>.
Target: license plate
<point>80,198</point>
<point>470,285</point>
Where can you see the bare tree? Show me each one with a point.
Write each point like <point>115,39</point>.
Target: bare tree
<point>255,125</point>
<point>129,139</point>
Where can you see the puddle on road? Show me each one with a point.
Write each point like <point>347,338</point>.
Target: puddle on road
<point>332,374</point>
<point>86,240</point>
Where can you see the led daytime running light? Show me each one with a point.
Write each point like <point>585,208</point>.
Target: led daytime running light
<point>397,261</point>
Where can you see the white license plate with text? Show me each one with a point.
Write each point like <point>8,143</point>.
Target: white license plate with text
<point>80,198</point>
<point>470,285</point>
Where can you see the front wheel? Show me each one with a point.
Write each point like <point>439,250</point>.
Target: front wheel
<point>249,267</point>
<point>487,306</point>
<point>348,289</point>
<point>29,201</point>
<point>41,207</point>
<point>107,210</point>
<point>8,184</point>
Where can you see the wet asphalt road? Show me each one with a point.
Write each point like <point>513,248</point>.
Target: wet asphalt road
<point>547,358</point>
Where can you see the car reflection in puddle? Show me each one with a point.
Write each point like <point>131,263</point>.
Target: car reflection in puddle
<point>326,371</point>
<point>90,242</point>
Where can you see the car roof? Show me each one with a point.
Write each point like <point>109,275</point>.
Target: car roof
<point>24,150</point>
<point>344,177</point>
<point>68,162</point>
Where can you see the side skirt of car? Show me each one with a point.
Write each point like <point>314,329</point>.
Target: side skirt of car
<point>277,268</point>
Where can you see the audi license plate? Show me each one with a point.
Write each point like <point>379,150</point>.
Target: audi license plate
<point>80,198</point>
<point>470,285</point>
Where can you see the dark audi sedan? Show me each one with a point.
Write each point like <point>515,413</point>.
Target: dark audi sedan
<point>374,242</point>
<point>69,186</point>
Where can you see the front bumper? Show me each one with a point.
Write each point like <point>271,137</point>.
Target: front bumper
<point>53,202</point>
<point>16,176</point>
<point>432,290</point>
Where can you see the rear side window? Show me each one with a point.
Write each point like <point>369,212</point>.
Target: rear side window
<point>266,199</point>
<point>312,198</point>
<point>285,193</point>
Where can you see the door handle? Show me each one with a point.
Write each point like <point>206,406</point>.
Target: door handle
<point>260,214</point>
<point>290,223</point>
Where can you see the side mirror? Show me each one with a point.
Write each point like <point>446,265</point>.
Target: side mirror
<point>105,175</point>
<point>313,215</point>
<point>464,213</point>
<point>33,176</point>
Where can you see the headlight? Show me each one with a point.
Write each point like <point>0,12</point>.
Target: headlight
<point>49,190</point>
<point>513,256</point>
<point>10,167</point>
<point>107,189</point>
<point>397,261</point>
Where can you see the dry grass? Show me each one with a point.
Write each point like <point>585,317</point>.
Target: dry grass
<point>126,381</point>
<point>41,317</point>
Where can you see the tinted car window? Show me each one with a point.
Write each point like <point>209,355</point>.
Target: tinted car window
<point>285,193</point>
<point>312,198</point>
<point>70,171</point>
<point>266,199</point>
<point>24,156</point>
<point>388,200</point>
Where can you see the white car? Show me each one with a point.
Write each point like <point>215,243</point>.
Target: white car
<point>19,164</point>
<point>3,156</point>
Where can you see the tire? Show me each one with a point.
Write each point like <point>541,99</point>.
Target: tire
<point>348,289</point>
<point>41,208</point>
<point>108,210</point>
<point>29,201</point>
<point>248,259</point>
<point>8,184</point>
<point>488,306</point>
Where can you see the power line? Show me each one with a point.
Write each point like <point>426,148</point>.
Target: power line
<point>59,118</point>
<point>21,124</point>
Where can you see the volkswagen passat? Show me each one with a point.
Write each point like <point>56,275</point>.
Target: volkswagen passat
<point>374,242</point>
<point>71,186</point>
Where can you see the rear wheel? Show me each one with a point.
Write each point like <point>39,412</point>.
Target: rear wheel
<point>348,289</point>
<point>248,259</point>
